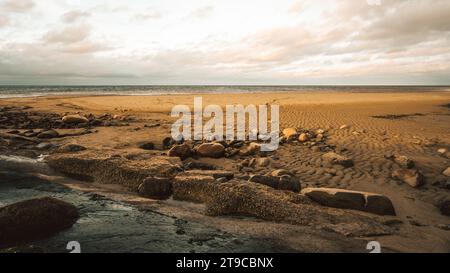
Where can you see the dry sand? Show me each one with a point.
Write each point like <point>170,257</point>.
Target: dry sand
<point>368,139</point>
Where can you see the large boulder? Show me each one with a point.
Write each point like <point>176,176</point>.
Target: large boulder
<point>35,219</point>
<point>74,119</point>
<point>182,151</point>
<point>337,159</point>
<point>356,200</point>
<point>156,187</point>
<point>214,150</point>
<point>411,177</point>
<point>112,168</point>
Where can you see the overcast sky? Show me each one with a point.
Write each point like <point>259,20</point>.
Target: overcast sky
<point>225,42</point>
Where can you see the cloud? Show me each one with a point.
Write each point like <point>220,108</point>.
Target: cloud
<point>74,15</point>
<point>17,6</point>
<point>3,21</point>
<point>312,42</point>
<point>147,15</point>
<point>201,12</point>
<point>67,35</point>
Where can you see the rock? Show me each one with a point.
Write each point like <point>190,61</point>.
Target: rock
<point>320,132</point>
<point>35,219</point>
<point>303,137</point>
<point>446,172</point>
<point>74,119</point>
<point>444,207</point>
<point>442,151</point>
<point>156,187</point>
<point>44,146</point>
<point>114,168</point>
<point>285,182</point>
<point>214,150</point>
<point>281,172</point>
<point>289,133</point>
<point>48,134</point>
<point>443,226</point>
<point>345,199</point>
<point>252,199</point>
<point>183,151</point>
<point>70,148</point>
<point>168,142</point>
<point>222,180</point>
<point>410,176</point>
<point>193,188</point>
<point>252,149</point>
<point>270,181</point>
<point>262,162</point>
<point>344,127</point>
<point>147,146</point>
<point>214,173</point>
<point>195,165</point>
<point>337,159</point>
<point>319,137</point>
<point>289,183</point>
<point>403,161</point>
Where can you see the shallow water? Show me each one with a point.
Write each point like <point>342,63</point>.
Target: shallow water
<point>36,91</point>
<point>110,226</point>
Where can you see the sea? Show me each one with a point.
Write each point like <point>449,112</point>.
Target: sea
<point>12,91</point>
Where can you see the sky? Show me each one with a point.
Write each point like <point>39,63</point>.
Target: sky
<point>218,42</point>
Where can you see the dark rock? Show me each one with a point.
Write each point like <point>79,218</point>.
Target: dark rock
<point>48,134</point>
<point>194,165</point>
<point>182,151</point>
<point>444,207</point>
<point>337,159</point>
<point>70,148</point>
<point>35,219</point>
<point>270,181</point>
<point>147,146</point>
<point>156,187</point>
<point>345,199</point>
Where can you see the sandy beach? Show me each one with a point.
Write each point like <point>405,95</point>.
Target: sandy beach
<point>369,129</point>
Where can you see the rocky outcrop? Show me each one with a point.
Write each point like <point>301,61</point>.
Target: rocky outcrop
<point>193,188</point>
<point>111,168</point>
<point>356,200</point>
<point>35,219</point>
<point>251,199</point>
